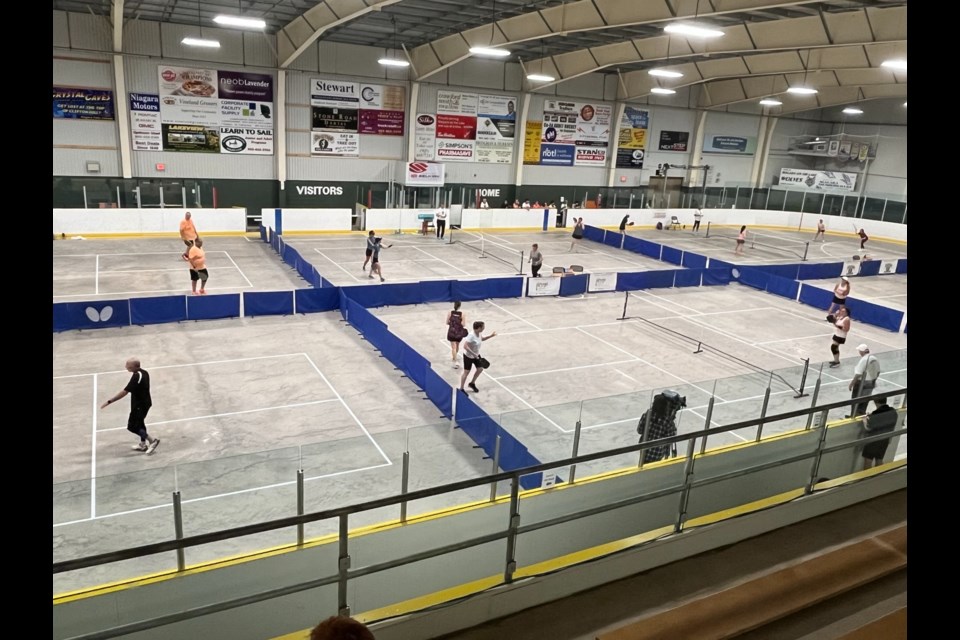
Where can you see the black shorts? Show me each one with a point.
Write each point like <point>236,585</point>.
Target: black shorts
<point>840,301</point>
<point>739,241</point>
<point>876,450</point>
<point>135,422</point>
<point>199,275</point>
<point>369,252</point>
<point>469,362</point>
<point>839,340</point>
<point>375,260</point>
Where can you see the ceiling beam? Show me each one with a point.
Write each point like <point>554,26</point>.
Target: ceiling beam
<point>116,15</point>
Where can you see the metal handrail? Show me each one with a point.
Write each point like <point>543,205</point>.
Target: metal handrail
<point>298,520</point>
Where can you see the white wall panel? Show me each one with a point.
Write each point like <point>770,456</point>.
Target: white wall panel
<point>141,37</point>
<point>341,169</point>
<point>91,70</point>
<point>61,31</point>
<point>732,124</point>
<point>73,162</point>
<point>477,73</point>
<point>579,176</point>
<point>203,165</point>
<point>90,32</point>
<point>588,87</point>
<point>309,60</point>
<point>99,133</point>
<point>258,49</point>
<point>479,173</point>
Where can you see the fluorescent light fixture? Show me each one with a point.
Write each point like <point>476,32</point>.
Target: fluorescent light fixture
<point>488,51</point>
<point>393,62</point>
<point>770,102</point>
<point>539,77</point>
<point>237,21</point>
<point>807,91</point>
<point>662,91</point>
<point>663,73</point>
<point>904,104</point>
<point>895,64</point>
<point>853,111</point>
<point>692,30</point>
<point>201,42</point>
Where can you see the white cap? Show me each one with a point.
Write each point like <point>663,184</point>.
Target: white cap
<point>844,278</point>
<point>863,349</point>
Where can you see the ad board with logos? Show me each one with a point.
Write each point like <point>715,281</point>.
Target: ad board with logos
<point>632,138</point>
<point>467,127</point>
<point>424,174</point>
<point>818,180</point>
<point>340,112</point>
<point>77,103</point>
<point>674,141</point>
<point>719,143</point>
<point>543,287</point>
<point>575,134</point>
<point>205,110</point>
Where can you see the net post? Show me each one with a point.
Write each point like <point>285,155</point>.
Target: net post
<point>520,273</point>
<point>806,248</point>
<point>626,298</point>
<point>707,235</point>
<point>483,246</point>
<point>699,347</point>
<point>803,378</point>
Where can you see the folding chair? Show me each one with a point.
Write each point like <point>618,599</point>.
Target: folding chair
<point>576,268</point>
<point>674,222</point>
<point>558,271</point>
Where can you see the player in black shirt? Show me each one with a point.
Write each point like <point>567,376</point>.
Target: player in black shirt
<point>140,403</point>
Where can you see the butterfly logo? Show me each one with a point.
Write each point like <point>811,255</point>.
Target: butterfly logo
<point>99,316</point>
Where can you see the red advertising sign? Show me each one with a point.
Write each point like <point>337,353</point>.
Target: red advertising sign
<point>456,127</point>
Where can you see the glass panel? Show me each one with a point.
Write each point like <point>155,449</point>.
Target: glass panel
<point>758,199</point>
<point>833,204</point>
<point>794,201</point>
<point>850,206</point>
<point>776,200</point>
<point>812,202</point>
<point>873,208</point>
<point>744,197</point>
<point>896,212</point>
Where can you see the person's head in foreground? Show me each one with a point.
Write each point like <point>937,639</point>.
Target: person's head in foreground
<point>341,628</point>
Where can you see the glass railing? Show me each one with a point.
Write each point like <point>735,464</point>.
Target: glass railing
<point>111,513</point>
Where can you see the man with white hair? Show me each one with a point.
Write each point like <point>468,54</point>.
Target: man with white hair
<point>864,379</point>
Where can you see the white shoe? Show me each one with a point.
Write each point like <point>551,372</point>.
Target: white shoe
<point>140,447</point>
<point>456,365</point>
<point>153,446</point>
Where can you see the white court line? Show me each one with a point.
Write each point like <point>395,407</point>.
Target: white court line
<point>130,293</point>
<point>96,278</point>
<point>513,314</point>
<point>537,411</point>
<point>583,366</point>
<point>112,271</point>
<point>897,295</point>
<point>219,495</point>
<point>819,335</point>
<point>625,375</point>
<point>188,364</point>
<point>352,414</point>
<point>93,455</point>
<point>230,413</point>
<point>110,255</point>
<point>337,265</point>
<point>246,238</point>
<point>443,261</point>
<point>230,258</point>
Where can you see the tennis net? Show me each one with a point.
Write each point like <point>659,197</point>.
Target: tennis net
<point>488,249</point>
<point>792,246</point>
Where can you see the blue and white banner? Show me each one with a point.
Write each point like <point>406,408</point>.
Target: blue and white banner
<point>549,286</point>
<point>145,125</point>
<point>82,104</point>
<point>818,180</point>
<point>715,143</point>
<point>603,282</point>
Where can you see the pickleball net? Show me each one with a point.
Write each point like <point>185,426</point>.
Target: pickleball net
<point>755,240</point>
<point>488,249</point>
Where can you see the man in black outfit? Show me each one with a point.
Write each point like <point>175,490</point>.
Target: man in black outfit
<point>882,420</point>
<point>140,403</point>
<point>623,223</point>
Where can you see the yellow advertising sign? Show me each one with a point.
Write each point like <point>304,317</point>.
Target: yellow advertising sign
<point>531,142</point>
<point>632,139</point>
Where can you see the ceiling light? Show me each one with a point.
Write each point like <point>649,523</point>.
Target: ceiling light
<point>802,90</point>
<point>692,30</point>
<point>852,111</point>
<point>663,73</point>
<point>539,77</point>
<point>904,104</point>
<point>662,91</point>
<point>895,64</point>
<point>487,51</point>
<point>393,62</point>
<point>201,42</point>
<point>237,21</point>
<point>770,102</point>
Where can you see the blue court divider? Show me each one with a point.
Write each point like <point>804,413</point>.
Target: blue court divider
<point>316,300</point>
<point>224,305</point>
<point>324,283</point>
<point>344,311</point>
<point>631,281</point>
<point>694,260</point>
<point>650,249</point>
<point>290,255</point>
<point>267,303</point>
<point>784,287</point>
<point>436,291</point>
<point>714,276</point>
<point>781,270</point>
<point>687,277</point>
<point>263,233</point>
<point>439,392</point>
<point>878,316</point>
<point>415,366</point>
<point>483,430</point>
<point>489,288</point>
<point>612,239</point>
<point>368,297</point>
<point>671,255</point>
<point>815,297</point>
<point>721,263</point>
<point>158,310</point>
<point>902,265</point>
<point>593,233</point>
<point>870,268</point>
<point>401,293</point>
<point>632,244</point>
<point>819,271</point>
<point>574,285</point>
<point>91,315</point>
<point>754,277</point>
<point>466,290</point>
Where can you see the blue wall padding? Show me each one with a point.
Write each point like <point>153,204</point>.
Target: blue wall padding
<point>435,291</point>
<point>815,297</point>
<point>315,300</point>
<point>267,303</point>
<point>902,265</point>
<point>343,303</point>
<point>593,233</point>
<point>225,305</point>
<point>819,270</point>
<point>781,270</point>
<point>505,287</point>
<point>632,244</point>
<point>439,393</point>
<point>263,233</point>
<point>650,249</point>
<point>694,260</point>
<point>717,275</point>
<point>612,239</point>
<point>73,315</point>
<point>415,366</point>
<point>476,423</point>
<point>468,290</point>
<point>574,285</point>
<point>687,277</point>
<point>158,310</point>
<point>631,281</point>
<point>671,255</point>
<point>870,313</point>
<point>401,293</point>
<point>870,268</point>
<point>754,278</point>
<point>783,287</point>
<point>368,296</point>
<point>720,263</point>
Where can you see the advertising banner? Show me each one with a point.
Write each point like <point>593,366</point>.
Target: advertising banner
<point>543,287</point>
<point>673,140</point>
<point>145,126</point>
<point>531,142</point>
<point>191,137</point>
<point>583,126</point>
<point>424,174</point>
<point>425,135</point>
<point>82,104</point>
<point>496,129</point>
<point>715,143</point>
<point>603,282</point>
<point>333,143</point>
<point>246,140</point>
<point>818,180</point>
<point>382,110</point>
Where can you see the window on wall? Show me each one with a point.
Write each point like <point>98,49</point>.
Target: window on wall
<point>776,200</point>
<point>832,204</point>
<point>895,212</point>
<point>793,201</point>
<point>873,208</point>
<point>812,202</point>
<point>850,206</point>
<point>759,198</point>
